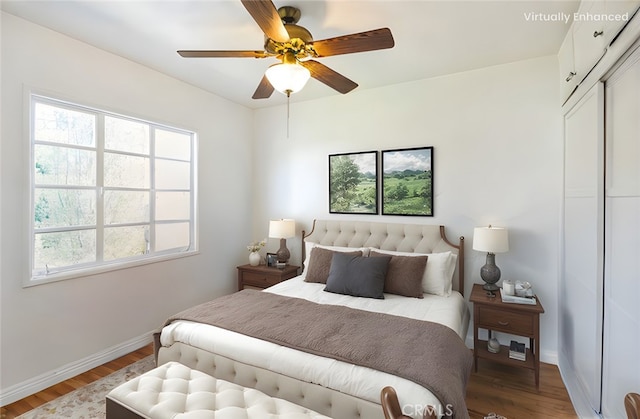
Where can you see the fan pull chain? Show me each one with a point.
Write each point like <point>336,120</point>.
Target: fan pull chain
<point>288,98</point>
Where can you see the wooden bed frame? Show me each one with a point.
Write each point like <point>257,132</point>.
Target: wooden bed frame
<point>415,238</point>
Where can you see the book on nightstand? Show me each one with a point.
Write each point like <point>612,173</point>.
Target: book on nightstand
<point>517,351</point>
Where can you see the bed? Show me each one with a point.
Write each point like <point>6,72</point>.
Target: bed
<point>335,385</point>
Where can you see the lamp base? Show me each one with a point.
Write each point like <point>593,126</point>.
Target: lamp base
<point>490,287</point>
<point>283,255</point>
<point>490,273</point>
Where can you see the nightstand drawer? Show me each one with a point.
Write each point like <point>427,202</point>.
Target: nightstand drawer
<point>262,276</point>
<point>505,321</point>
<point>260,279</point>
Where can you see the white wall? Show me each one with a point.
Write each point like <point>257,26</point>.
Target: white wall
<point>50,329</point>
<point>497,137</point>
<point>497,159</point>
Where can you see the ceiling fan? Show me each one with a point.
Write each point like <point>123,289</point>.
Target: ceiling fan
<point>294,46</point>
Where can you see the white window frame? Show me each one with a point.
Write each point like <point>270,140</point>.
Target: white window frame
<point>100,266</point>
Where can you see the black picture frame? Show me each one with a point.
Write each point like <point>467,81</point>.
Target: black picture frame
<point>272,259</point>
<point>407,181</point>
<point>353,183</point>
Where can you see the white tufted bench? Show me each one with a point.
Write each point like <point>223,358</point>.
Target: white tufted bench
<point>175,391</point>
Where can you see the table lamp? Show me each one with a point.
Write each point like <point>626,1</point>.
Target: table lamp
<point>491,240</point>
<point>282,229</point>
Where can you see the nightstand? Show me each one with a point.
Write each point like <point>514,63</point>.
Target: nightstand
<point>263,276</point>
<point>492,314</point>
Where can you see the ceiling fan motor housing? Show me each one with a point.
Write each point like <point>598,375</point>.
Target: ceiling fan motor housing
<point>290,16</point>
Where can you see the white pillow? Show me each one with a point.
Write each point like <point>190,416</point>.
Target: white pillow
<point>438,273</point>
<point>364,250</point>
<point>451,268</point>
<point>310,245</point>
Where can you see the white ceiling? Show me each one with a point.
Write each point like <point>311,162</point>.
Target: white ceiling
<point>432,37</point>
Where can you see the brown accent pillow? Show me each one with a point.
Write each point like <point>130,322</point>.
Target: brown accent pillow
<point>320,264</point>
<point>404,275</point>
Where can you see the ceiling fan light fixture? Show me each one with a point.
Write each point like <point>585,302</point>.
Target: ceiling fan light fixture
<point>295,46</point>
<point>287,78</point>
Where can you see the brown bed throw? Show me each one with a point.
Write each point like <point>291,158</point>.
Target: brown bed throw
<point>427,353</point>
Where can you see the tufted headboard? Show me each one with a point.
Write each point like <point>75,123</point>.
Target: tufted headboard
<point>416,238</point>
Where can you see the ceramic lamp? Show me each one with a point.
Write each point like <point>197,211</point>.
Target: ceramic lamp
<point>491,240</point>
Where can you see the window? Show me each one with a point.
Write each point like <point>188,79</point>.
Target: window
<point>107,189</point>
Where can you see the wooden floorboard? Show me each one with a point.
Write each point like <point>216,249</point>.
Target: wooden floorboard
<point>505,390</point>
<point>22,406</point>
<point>511,392</point>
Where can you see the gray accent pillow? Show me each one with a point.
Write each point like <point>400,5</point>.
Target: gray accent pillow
<point>404,275</point>
<point>320,263</point>
<point>357,276</point>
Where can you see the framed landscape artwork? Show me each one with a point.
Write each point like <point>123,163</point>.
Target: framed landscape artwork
<point>407,181</point>
<point>353,183</point>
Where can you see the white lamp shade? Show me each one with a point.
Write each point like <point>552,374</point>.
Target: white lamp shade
<point>490,239</point>
<point>282,229</point>
<point>287,78</point>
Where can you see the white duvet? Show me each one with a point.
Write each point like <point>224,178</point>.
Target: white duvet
<point>361,382</point>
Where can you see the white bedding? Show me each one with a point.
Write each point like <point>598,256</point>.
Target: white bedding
<point>450,311</point>
<point>358,381</point>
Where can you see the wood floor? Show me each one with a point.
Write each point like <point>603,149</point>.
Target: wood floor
<point>24,405</point>
<point>511,392</point>
<point>507,391</point>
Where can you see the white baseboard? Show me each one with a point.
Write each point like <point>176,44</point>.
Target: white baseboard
<point>549,357</point>
<point>36,384</point>
<point>576,394</point>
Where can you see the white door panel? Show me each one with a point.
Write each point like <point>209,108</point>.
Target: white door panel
<point>621,364</point>
<point>582,276</point>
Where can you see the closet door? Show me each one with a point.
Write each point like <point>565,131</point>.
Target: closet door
<point>581,292</point>
<point>621,363</point>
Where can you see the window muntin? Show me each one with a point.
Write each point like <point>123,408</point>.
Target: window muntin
<point>107,189</point>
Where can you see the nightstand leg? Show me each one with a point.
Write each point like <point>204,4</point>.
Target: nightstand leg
<point>534,344</point>
<point>537,363</point>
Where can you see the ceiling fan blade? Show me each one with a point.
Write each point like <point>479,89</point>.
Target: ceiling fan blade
<point>356,42</point>
<point>264,90</point>
<point>265,14</point>
<point>329,77</point>
<point>222,54</point>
